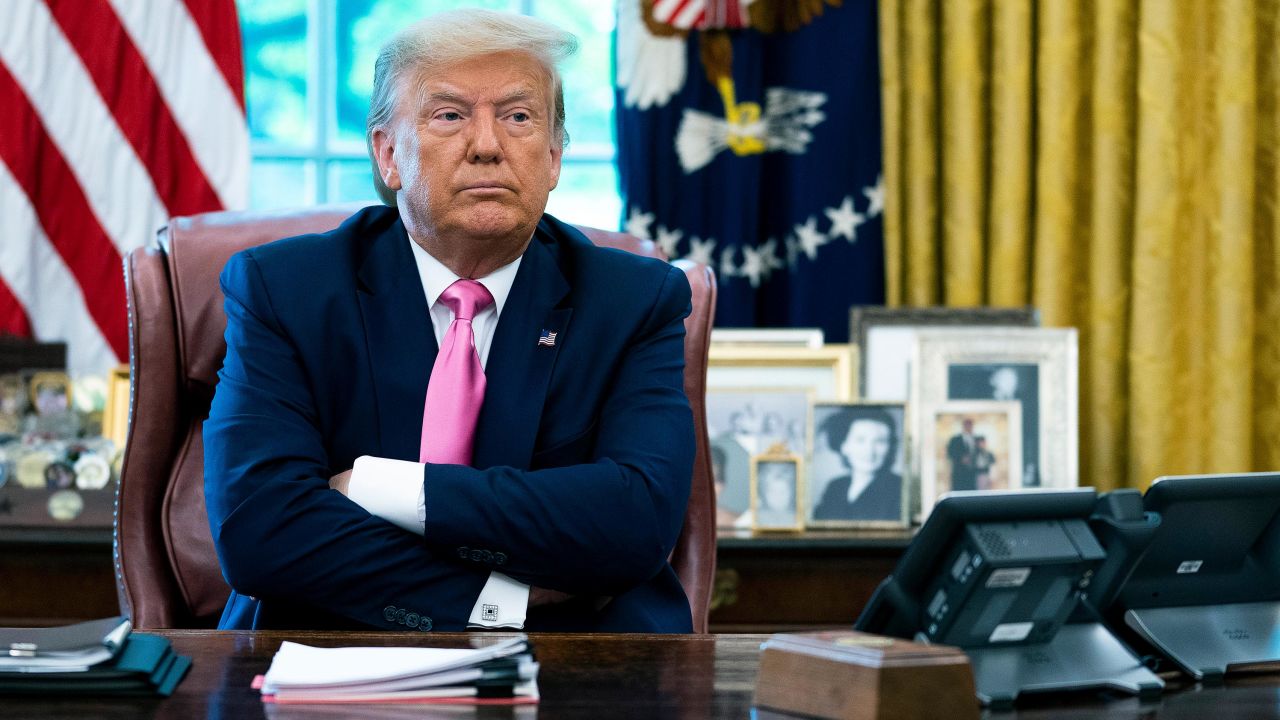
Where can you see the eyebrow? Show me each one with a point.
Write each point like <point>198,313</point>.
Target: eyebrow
<point>523,94</point>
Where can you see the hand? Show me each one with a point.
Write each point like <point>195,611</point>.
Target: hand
<point>341,482</point>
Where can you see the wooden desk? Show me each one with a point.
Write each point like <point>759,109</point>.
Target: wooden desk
<point>583,676</point>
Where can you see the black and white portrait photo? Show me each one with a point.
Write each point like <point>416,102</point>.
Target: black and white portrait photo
<point>746,423</point>
<point>858,465</point>
<point>1005,381</point>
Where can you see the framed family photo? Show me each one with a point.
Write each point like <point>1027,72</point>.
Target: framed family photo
<point>970,445</point>
<point>1034,367</point>
<point>743,423</point>
<point>857,476</point>
<point>777,491</point>
<point>886,337</point>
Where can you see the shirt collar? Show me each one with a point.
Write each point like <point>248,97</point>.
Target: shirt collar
<point>436,278</point>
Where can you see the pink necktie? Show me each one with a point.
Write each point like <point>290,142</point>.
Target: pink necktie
<point>456,390</point>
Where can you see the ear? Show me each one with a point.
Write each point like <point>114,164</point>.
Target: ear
<point>557,154</point>
<point>384,154</point>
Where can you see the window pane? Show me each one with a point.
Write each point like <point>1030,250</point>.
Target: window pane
<point>275,52</point>
<point>281,184</point>
<point>588,76</point>
<point>587,195</point>
<point>351,181</point>
<point>362,27</point>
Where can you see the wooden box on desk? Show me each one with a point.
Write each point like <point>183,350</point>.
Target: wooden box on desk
<point>851,675</point>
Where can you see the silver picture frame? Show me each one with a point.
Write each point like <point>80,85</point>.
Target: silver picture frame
<point>1039,367</point>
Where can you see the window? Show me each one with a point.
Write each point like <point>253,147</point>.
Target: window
<point>309,65</point>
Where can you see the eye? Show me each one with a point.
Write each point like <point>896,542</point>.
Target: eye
<point>520,116</point>
<point>450,116</point>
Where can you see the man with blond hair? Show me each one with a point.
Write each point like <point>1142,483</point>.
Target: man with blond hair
<point>453,411</point>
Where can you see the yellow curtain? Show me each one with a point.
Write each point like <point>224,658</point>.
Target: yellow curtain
<point>1114,163</point>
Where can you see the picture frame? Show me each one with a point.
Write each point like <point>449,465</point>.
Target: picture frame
<point>885,337</point>
<point>775,337</point>
<point>829,372</point>
<point>969,445</point>
<point>13,401</point>
<point>747,421</point>
<point>50,392</point>
<point>1037,367</point>
<point>858,445</point>
<point>115,418</point>
<point>777,491</point>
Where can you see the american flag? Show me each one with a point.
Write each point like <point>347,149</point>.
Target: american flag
<point>547,339</point>
<point>117,114</point>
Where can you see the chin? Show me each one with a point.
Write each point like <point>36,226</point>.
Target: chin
<point>495,223</point>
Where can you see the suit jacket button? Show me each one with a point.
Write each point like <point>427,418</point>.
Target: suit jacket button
<point>500,558</point>
<point>389,612</point>
<point>463,552</point>
<point>412,619</point>
<point>424,624</point>
<point>400,615</point>
<point>477,556</point>
<point>488,556</point>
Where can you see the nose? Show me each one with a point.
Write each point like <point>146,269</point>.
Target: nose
<point>485,146</point>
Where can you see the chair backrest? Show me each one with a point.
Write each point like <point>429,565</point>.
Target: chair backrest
<point>167,572</point>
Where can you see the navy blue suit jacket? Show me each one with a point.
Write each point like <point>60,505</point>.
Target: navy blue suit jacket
<point>583,451</point>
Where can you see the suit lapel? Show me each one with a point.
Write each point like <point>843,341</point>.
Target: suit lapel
<point>401,343</point>
<point>519,369</point>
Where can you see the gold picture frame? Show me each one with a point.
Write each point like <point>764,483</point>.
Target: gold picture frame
<point>830,371</point>
<point>49,379</point>
<point>781,470</point>
<point>115,419</point>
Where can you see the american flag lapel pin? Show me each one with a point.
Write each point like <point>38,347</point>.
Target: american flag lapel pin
<point>546,338</point>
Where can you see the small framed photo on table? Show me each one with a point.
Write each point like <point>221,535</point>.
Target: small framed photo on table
<point>50,392</point>
<point>743,423</point>
<point>777,491</point>
<point>858,468</point>
<point>970,445</point>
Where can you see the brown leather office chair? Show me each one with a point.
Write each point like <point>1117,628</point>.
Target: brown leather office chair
<point>167,572</point>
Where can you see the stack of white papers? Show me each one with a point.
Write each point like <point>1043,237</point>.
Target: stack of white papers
<point>502,673</point>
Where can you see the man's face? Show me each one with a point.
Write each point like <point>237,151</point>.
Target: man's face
<point>470,152</point>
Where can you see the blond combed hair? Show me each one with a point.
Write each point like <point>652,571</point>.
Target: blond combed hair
<point>455,36</point>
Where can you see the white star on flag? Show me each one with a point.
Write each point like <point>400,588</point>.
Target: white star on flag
<point>701,251</point>
<point>668,240</point>
<point>727,267</point>
<point>759,263</point>
<point>875,197</point>
<point>638,224</point>
<point>845,220</point>
<point>793,251</point>
<point>810,239</point>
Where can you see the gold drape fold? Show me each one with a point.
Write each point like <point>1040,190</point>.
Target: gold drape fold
<point>1117,164</point>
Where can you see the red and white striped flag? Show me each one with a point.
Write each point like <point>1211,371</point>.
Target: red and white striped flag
<point>114,116</point>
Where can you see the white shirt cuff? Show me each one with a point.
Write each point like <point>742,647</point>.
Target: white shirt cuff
<point>391,490</point>
<point>503,603</point>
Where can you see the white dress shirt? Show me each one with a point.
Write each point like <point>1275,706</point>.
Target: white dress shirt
<point>392,489</point>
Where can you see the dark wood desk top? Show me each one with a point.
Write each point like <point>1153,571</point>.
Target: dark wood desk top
<point>583,676</point>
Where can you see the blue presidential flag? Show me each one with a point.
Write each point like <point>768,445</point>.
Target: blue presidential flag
<point>749,139</point>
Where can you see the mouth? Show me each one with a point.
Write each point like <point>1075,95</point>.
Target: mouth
<point>486,188</point>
